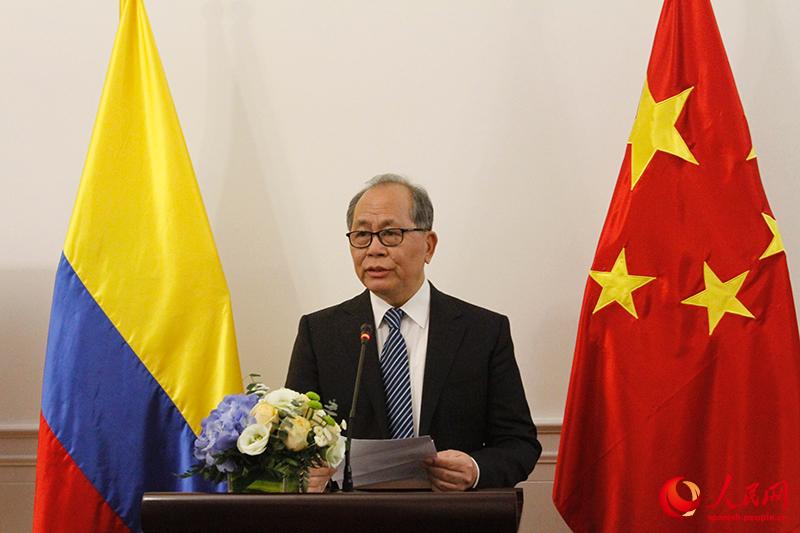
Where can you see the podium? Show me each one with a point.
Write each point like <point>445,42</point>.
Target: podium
<point>388,512</point>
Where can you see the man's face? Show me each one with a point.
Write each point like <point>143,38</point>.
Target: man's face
<point>393,273</point>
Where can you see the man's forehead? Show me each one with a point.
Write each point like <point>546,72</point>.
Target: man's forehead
<point>381,218</point>
<point>383,205</point>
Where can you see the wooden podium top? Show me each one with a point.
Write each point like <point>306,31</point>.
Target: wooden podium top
<point>386,512</point>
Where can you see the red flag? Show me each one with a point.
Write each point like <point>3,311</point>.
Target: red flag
<point>684,403</point>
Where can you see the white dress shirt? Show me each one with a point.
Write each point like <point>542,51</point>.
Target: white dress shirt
<point>414,328</point>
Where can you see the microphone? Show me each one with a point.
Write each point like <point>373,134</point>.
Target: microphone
<point>347,477</point>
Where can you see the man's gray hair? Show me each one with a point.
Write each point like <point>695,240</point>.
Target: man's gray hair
<point>421,206</point>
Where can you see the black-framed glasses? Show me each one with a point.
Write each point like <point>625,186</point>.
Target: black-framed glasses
<point>388,237</point>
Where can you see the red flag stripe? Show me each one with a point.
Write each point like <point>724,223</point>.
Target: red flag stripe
<point>66,502</point>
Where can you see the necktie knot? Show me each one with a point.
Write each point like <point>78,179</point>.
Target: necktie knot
<point>393,317</point>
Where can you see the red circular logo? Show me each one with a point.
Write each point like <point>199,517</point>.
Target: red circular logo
<point>675,504</point>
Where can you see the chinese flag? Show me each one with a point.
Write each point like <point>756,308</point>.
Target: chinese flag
<point>683,410</point>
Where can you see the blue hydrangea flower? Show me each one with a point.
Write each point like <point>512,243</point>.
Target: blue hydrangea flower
<point>222,428</point>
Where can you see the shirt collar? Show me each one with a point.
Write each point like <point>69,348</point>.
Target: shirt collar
<point>417,308</point>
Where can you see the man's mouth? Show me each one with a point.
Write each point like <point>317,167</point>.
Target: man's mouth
<point>377,272</point>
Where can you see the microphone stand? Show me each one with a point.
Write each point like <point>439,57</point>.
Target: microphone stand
<point>347,477</point>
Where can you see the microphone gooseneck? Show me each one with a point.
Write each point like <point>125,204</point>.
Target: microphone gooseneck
<point>347,479</point>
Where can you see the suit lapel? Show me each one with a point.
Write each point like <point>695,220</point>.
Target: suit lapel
<point>359,310</point>
<point>444,338</point>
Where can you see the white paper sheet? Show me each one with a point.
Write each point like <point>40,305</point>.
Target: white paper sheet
<point>390,463</point>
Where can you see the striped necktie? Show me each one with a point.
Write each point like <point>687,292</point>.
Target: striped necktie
<point>397,378</point>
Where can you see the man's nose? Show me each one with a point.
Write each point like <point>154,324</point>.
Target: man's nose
<point>376,247</point>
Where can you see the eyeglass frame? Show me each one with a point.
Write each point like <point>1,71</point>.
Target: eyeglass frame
<point>372,235</point>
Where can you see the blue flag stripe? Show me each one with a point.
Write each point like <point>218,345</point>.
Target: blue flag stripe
<point>103,405</point>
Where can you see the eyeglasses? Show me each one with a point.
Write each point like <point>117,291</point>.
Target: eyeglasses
<point>388,237</point>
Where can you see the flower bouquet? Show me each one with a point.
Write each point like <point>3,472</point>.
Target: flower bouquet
<point>266,441</point>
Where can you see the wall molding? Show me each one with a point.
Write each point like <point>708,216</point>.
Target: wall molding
<point>12,431</point>
<point>549,434</point>
<point>18,460</point>
<point>18,445</point>
<point>18,442</point>
<point>546,426</point>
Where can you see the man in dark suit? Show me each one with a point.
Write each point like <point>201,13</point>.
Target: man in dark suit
<point>440,366</point>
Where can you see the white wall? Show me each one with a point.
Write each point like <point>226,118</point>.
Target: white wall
<point>514,114</point>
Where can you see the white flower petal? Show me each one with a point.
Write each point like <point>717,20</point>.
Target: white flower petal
<point>254,439</point>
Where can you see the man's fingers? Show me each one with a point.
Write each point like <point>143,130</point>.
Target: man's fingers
<point>321,471</point>
<point>445,479</point>
<point>439,485</point>
<point>446,475</point>
<point>318,478</point>
<point>445,461</point>
<point>451,470</point>
<point>452,459</point>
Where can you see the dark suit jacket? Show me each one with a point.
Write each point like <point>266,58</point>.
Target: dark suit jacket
<point>472,396</point>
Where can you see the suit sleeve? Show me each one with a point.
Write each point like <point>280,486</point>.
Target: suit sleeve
<point>511,448</point>
<point>303,372</point>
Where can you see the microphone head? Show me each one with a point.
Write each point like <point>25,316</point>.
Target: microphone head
<point>366,332</point>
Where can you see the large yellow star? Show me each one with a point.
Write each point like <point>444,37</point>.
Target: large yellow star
<point>776,245</point>
<point>719,297</point>
<point>618,285</point>
<point>752,154</point>
<point>654,130</point>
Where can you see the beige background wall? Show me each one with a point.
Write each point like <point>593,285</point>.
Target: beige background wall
<point>514,114</point>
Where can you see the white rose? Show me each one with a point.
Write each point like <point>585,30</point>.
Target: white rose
<point>282,398</point>
<point>297,429</point>
<point>253,439</point>
<point>335,453</point>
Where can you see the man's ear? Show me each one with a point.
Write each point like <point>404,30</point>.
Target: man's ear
<point>431,239</point>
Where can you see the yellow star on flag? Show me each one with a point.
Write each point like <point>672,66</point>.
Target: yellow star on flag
<point>618,285</point>
<point>776,245</point>
<point>719,297</point>
<point>654,130</point>
<point>752,154</point>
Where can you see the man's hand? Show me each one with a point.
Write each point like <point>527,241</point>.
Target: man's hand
<point>451,470</point>
<point>318,478</point>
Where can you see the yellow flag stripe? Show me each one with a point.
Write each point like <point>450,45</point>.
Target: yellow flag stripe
<point>139,238</point>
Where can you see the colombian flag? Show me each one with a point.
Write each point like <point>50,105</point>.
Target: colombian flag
<point>141,343</point>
